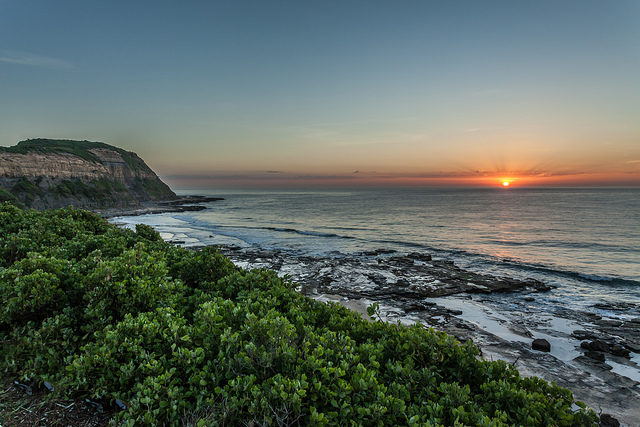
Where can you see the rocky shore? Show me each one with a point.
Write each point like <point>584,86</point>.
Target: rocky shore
<point>181,204</point>
<point>595,356</point>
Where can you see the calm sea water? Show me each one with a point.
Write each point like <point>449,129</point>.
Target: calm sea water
<point>584,241</point>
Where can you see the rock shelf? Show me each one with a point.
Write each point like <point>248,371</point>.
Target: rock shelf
<point>594,356</point>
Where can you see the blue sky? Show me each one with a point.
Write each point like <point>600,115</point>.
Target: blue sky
<point>344,92</point>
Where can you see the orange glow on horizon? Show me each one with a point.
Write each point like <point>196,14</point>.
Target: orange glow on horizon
<point>262,181</point>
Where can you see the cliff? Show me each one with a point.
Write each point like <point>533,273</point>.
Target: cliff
<point>46,173</point>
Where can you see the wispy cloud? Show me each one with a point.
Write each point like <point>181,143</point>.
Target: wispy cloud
<point>363,122</point>
<point>476,129</point>
<point>25,58</point>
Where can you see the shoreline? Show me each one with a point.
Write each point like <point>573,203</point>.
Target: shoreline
<point>181,204</point>
<point>502,322</point>
<point>502,316</point>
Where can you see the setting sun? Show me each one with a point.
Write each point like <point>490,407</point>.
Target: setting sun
<point>505,183</point>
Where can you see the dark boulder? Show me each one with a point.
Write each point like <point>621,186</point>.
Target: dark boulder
<point>609,323</point>
<point>597,364</point>
<point>403,282</point>
<point>595,355</point>
<point>632,347</point>
<point>596,345</point>
<point>607,420</point>
<point>398,261</point>
<point>541,345</point>
<point>419,257</point>
<point>618,350</point>
<point>599,345</point>
<point>413,307</point>
<point>583,335</point>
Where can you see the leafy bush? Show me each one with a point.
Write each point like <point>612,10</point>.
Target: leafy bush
<point>184,336</point>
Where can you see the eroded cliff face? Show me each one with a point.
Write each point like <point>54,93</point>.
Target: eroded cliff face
<point>44,174</point>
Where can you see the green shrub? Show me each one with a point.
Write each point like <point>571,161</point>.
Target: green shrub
<point>6,196</point>
<point>184,336</point>
<point>31,289</point>
<point>133,282</point>
<point>28,189</point>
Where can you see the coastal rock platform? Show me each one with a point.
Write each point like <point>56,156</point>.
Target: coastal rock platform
<point>381,275</point>
<point>181,204</point>
<point>500,315</point>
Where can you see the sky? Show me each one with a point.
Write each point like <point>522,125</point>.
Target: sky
<point>334,93</point>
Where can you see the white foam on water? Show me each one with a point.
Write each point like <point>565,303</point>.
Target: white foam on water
<point>175,230</point>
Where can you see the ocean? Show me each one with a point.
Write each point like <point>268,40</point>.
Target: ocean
<point>585,242</point>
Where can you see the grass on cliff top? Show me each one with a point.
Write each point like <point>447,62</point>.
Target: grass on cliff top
<point>168,336</point>
<point>77,148</point>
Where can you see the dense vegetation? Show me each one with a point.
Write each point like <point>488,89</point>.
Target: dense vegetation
<point>6,196</point>
<point>28,188</point>
<point>180,336</point>
<point>100,191</point>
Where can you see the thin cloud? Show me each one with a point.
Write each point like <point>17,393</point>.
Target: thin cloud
<point>482,129</point>
<point>363,121</point>
<point>25,58</point>
<point>362,176</point>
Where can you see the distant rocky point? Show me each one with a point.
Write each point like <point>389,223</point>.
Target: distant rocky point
<point>49,174</point>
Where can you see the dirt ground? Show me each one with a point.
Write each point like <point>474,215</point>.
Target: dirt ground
<point>22,406</point>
